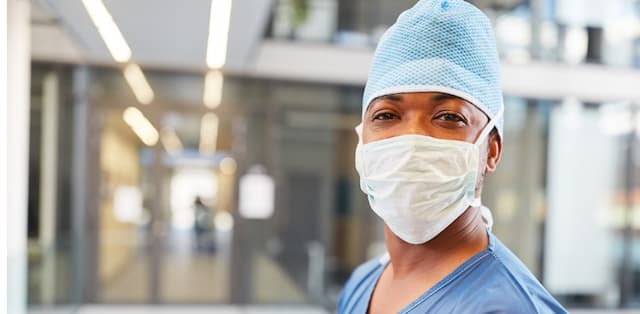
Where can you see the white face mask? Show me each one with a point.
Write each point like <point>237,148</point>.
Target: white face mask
<point>419,184</point>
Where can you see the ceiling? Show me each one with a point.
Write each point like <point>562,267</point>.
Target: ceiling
<point>161,33</point>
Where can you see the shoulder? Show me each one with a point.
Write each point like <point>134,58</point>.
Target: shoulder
<point>508,284</point>
<point>357,284</point>
<point>367,268</point>
<point>495,281</point>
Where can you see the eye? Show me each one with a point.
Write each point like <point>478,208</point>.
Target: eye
<point>451,117</point>
<point>385,116</point>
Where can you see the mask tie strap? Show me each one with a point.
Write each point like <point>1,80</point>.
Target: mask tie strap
<point>358,129</point>
<point>490,125</point>
<point>487,217</point>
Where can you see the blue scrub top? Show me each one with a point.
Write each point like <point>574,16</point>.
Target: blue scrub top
<point>492,281</point>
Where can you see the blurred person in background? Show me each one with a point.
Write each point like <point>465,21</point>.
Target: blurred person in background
<point>202,226</point>
<point>432,128</point>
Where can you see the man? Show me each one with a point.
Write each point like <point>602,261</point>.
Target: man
<point>431,130</point>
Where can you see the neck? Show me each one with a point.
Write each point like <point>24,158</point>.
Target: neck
<point>465,237</point>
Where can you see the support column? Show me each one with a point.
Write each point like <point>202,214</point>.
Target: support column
<point>537,8</point>
<point>48,186</point>
<point>627,279</point>
<point>79,182</point>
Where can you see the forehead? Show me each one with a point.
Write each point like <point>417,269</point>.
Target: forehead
<point>425,101</point>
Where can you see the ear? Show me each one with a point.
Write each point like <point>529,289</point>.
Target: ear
<point>494,152</point>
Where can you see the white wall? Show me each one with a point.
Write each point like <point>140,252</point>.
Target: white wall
<point>18,82</point>
<point>3,160</point>
<point>582,171</point>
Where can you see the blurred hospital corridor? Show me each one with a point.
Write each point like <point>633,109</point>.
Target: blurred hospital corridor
<point>200,156</point>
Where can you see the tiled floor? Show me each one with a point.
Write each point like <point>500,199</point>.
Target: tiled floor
<point>186,276</point>
<point>200,279</point>
<point>170,309</point>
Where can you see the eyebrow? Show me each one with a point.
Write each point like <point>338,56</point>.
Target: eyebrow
<point>392,97</point>
<point>438,97</point>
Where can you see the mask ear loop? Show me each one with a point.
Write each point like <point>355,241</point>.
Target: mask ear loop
<point>492,123</point>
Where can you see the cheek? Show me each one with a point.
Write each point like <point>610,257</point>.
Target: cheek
<point>371,134</point>
<point>365,137</point>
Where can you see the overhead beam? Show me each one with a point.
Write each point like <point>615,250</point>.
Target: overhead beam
<point>331,64</point>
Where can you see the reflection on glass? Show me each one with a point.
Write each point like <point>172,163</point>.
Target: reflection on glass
<point>209,133</point>
<point>122,233</point>
<point>171,224</point>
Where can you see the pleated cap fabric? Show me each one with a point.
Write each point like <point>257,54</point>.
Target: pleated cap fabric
<point>443,46</point>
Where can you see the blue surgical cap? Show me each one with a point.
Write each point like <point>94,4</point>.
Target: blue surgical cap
<point>444,46</point>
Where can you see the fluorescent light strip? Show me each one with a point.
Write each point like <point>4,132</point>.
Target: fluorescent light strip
<point>138,83</point>
<point>118,48</point>
<point>141,126</point>
<point>209,133</point>
<point>108,30</point>
<point>171,141</point>
<point>213,84</point>
<point>219,19</point>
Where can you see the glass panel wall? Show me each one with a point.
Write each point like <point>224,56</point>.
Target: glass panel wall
<point>50,244</point>
<point>606,32</point>
<point>257,201</point>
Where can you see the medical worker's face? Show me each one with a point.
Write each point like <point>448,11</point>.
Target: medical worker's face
<point>432,114</point>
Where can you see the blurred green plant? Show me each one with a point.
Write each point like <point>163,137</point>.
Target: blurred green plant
<point>299,11</point>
